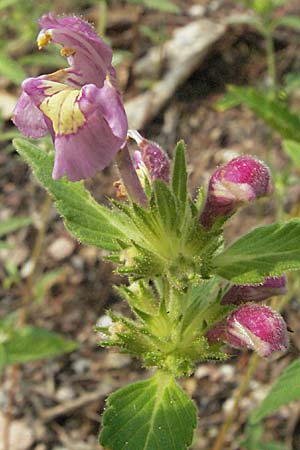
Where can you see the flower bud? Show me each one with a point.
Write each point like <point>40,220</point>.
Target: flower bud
<point>270,287</point>
<point>242,180</point>
<point>257,327</point>
<point>151,157</point>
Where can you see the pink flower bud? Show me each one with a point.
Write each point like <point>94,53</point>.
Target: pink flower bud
<point>152,157</point>
<point>257,327</point>
<point>242,180</point>
<point>239,294</point>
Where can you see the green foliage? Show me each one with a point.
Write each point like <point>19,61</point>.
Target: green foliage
<point>200,297</point>
<point>90,222</point>
<point>44,283</point>
<point>285,389</point>
<point>292,149</point>
<point>166,204</point>
<point>13,224</point>
<point>287,21</point>
<point>273,112</point>
<point>149,415</point>
<point>267,250</point>
<point>10,69</point>
<point>160,5</point>
<point>263,7</point>
<point>253,441</point>
<point>292,83</point>
<point>179,175</point>
<point>21,345</point>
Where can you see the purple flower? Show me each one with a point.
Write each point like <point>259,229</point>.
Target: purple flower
<point>252,326</point>
<point>242,180</point>
<point>151,159</point>
<point>271,286</point>
<point>80,105</point>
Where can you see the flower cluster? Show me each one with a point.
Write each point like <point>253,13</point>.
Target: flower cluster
<point>80,106</point>
<point>253,326</point>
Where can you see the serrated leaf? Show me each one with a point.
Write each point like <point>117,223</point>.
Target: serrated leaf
<point>265,251</point>
<point>285,389</point>
<point>165,203</point>
<point>199,298</point>
<point>13,224</point>
<point>179,174</point>
<point>149,415</point>
<point>292,149</point>
<point>88,221</point>
<point>31,343</point>
<point>10,69</point>
<point>273,112</point>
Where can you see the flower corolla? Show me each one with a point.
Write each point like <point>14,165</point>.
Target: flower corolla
<point>80,105</point>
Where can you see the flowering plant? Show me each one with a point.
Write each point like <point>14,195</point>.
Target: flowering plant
<point>189,291</point>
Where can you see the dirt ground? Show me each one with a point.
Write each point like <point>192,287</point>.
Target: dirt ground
<point>58,402</point>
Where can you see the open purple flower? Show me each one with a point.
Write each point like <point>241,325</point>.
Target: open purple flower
<point>242,180</point>
<point>80,105</point>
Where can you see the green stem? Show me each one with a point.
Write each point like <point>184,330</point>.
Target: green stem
<point>102,17</point>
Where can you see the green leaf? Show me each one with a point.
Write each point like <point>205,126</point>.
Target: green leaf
<point>30,344</point>
<point>228,101</point>
<point>198,300</point>
<point>45,281</point>
<point>247,20</point>
<point>149,415</point>
<point>13,224</point>
<point>273,112</point>
<point>292,149</point>
<point>265,7</point>
<point>166,205</point>
<point>267,250</point>
<point>90,222</point>
<point>179,175</point>
<point>10,69</point>
<point>287,21</point>
<point>160,5</point>
<point>254,434</point>
<point>6,3</point>
<point>285,390</point>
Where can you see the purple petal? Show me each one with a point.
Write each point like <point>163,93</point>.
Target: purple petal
<point>271,286</point>
<point>257,327</point>
<point>28,118</point>
<point>88,55</point>
<point>112,108</point>
<point>242,180</point>
<point>80,155</point>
